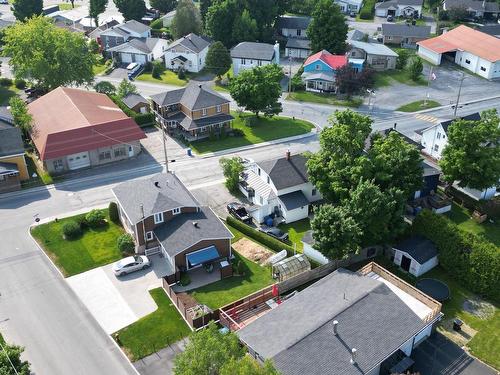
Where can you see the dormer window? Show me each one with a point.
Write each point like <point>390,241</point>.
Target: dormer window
<point>158,218</point>
<point>204,112</point>
<point>176,211</point>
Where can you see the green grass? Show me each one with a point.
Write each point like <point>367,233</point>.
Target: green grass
<point>225,291</point>
<point>96,247</point>
<point>154,331</point>
<point>296,231</point>
<point>263,129</point>
<point>418,105</point>
<point>387,78</point>
<point>462,217</point>
<point>313,97</point>
<point>43,177</point>
<point>6,93</point>
<point>67,6</point>
<point>98,68</point>
<point>167,77</point>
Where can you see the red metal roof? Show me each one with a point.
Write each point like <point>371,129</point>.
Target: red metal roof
<point>333,61</point>
<point>67,121</point>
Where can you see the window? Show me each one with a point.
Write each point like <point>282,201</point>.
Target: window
<point>438,136</point>
<point>299,32</point>
<point>313,192</point>
<point>119,152</point>
<point>259,62</point>
<point>176,211</point>
<point>268,180</point>
<point>219,108</point>
<point>467,61</point>
<point>258,171</point>
<point>243,62</point>
<point>483,69</point>
<point>58,164</point>
<point>436,147</point>
<point>149,236</point>
<point>388,37</point>
<point>204,112</point>
<point>158,218</point>
<point>105,155</point>
<point>318,67</point>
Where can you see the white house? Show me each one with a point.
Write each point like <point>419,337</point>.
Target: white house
<point>293,26</point>
<point>119,34</point>
<point>248,55</point>
<point>280,187</point>
<point>140,50</point>
<point>469,48</point>
<point>348,6</point>
<point>399,8</point>
<point>188,53</point>
<point>416,255</point>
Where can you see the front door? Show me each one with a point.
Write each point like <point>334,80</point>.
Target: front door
<point>130,151</point>
<point>405,263</point>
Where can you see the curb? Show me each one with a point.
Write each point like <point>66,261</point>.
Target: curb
<point>450,105</point>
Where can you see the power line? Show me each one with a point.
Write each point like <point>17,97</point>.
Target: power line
<point>7,355</point>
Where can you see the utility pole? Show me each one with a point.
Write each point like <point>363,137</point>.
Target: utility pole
<point>458,96</point>
<point>428,83</point>
<point>163,136</point>
<point>289,75</point>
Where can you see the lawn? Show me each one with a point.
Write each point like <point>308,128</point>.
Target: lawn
<point>262,129</point>
<point>313,97</point>
<point>98,68</point>
<point>96,247</point>
<point>154,331</point>
<point>418,105</point>
<point>67,6</point>
<point>167,77</point>
<point>6,93</point>
<point>43,177</point>
<point>296,231</point>
<point>387,78</point>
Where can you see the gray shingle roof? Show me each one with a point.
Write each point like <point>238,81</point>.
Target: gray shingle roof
<point>136,26</point>
<point>371,317</point>
<point>180,233</point>
<point>493,30</point>
<point>293,200</point>
<point>293,22</point>
<point>132,100</point>
<point>192,97</point>
<point>98,31</point>
<point>373,48</point>
<point>419,248</point>
<point>429,170</point>
<point>144,45</point>
<point>472,117</point>
<point>286,173</point>
<point>298,43</point>
<point>405,30</point>
<point>252,50</point>
<point>170,193</point>
<point>355,35</point>
<point>387,4</point>
<point>489,6</point>
<point>11,142</point>
<point>193,42</point>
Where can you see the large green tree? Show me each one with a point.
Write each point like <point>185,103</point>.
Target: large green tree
<point>97,7</point>
<point>231,168</point>
<point>126,88</point>
<point>22,118</point>
<point>220,19</point>
<point>187,19</point>
<point>264,12</point>
<point>204,5</point>
<point>218,59</point>
<point>328,28</point>
<point>248,366</point>
<point>10,355</point>
<point>47,55</point>
<point>164,6</point>
<point>415,68</point>
<point>472,155</point>
<point>131,9</point>
<point>24,9</point>
<point>245,28</point>
<point>258,89</point>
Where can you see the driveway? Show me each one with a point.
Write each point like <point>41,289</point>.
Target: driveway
<point>117,302</point>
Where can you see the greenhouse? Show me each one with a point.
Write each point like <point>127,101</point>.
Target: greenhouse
<point>290,267</point>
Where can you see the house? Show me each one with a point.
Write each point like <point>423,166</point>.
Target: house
<point>475,8</point>
<point>279,187</point>
<point>348,6</point>
<point>319,71</point>
<point>469,48</point>
<point>119,34</point>
<point>161,214</point>
<point>364,323</point>
<point>193,112</point>
<point>76,128</point>
<point>493,30</point>
<point>136,103</point>
<point>377,56</point>
<point>139,50</point>
<point>294,27</point>
<point>355,34</point>
<point>96,33</point>
<point>187,53</point>
<point>416,255</point>
<point>248,55</point>
<point>13,167</point>
<point>69,16</point>
<point>168,18</point>
<point>298,48</point>
<point>404,35</point>
<point>399,8</point>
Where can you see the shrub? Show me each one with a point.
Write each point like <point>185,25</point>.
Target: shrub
<point>95,218</point>
<point>402,59</point>
<point>365,14</point>
<point>237,132</point>
<point>125,243</point>
<point>185,279</point>
<point>71,230</point>
<point>181,74</point>
<point>156,24</point>
<point>20,84</point>
<point>5,82</point>
<point>144,119</point>
<point>158,69</point>
<point>113,212</point>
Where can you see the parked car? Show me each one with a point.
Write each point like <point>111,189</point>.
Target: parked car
<point>275,232</point>
<point>3,2</point>
<point>239,212</point>
<point>133,70</point>
<point>352,14</point>
<point>390,18</point>
<point>131,264</point>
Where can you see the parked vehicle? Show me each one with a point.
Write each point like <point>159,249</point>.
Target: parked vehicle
<point>275,232</point>
<point>239,212</point>
<point>352,14</point>
<point>390,18</point>
<point>133,70</point>
<point>131,264</point>
<point>3,2</point>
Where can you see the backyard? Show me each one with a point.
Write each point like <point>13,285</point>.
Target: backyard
<point>260,129</point>
<point>154,331</point>
<point>296,231</point>
<point>94,248</point>
<point>331,99</point>
<point>418,106</point>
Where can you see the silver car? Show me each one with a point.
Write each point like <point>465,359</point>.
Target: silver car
<point>131,264</point>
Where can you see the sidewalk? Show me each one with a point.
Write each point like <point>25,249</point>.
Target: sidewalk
<point>162,362</point>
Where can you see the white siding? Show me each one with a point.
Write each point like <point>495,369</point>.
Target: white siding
<point>195,63</point>
<point>240,64</point>
<point>407,347</point>
<point>429,55</point>
<point>434,141</point>
<point>422,335</point>
<point>314,254</point>
<point>296,214</point>
<point>416,268</point>
<point>159,49</point>
<point>297,53</point>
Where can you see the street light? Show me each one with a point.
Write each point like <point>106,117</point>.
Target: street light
<point>458,96</point>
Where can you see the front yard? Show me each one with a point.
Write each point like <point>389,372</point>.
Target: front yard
<point>94,248</point>
<point>388,77</point>
<point>296,231</point>
<point>169,77</point>
<point>320,98</point>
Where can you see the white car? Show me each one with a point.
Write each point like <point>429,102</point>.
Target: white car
<point>131,264</point>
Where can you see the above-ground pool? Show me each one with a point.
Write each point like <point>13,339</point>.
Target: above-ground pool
<point>434,288</point>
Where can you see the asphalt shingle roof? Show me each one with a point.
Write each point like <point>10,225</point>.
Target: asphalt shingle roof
<point>298,43</point>
<point>293,22</point>
<point>472,117</point>
<point>373,48</point>
<point>419,248</point>
<point>489,6</point>
<point>132,100</point>
<point>193,42</point>
<point>192,97</point>
<point>136,26</point>
<point>405,30</point>
<point>293,200</point>
<point>387,4</point>
<point>252,50</point>
<point>11,142</point>
<point>286,173</point>
<point>144,45</point>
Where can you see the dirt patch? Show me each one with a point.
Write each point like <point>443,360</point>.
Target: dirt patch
<point>479,308</point>
<point>187,300</point>
<point>461,337</point>
<point>253,251</point>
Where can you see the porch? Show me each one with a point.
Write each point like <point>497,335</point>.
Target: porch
<point>199,277</point>
<point>316,85</point>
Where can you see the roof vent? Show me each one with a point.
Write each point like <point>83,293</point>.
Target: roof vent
<point>353,356</point>
<point>195,224</point>
<point>200,85</point>
<point>157,184</point>
<point>335,325</point>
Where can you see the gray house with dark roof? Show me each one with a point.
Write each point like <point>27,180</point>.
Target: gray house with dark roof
<point>162,215</point>
<point>416,255</point>
<point>475,8</point>
<point>294,30</point>
<point>248,55</point>
<point>399,8</point>
<point>187,53</point>
<point>119,34</point>
<point>279,187</point>
<point>139,50</point>
<point>136,103</point>
<point>404,35</point>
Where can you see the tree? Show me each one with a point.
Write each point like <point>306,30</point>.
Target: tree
<point>231,168</point>
<point>415,67</point>
<point>258,89</point>
<point>328,29</point>
<point>457,13</point>
<point>218,59</point>
<point>131,9</point>
<point>125,243</point>
<point>47,55</point>
<point>207,351</point>
<point>105,87</point>
<point>402,60</point>
<point>248,366</point>
<point>114,214</point>
<point>351,82</point>
<point>204,5</point>
<point>472,155</point>
<point>11,356</point>
<point>22,118</point>
<point>158,69</point>
<point>264,12</point>
<point>187,19</point>
<point>24,9</point>
<point>245,28</point>
<point>336,234</point>
<point>126,88</point>
<point>164,6</point>
<point>220,18</point>
<point>96,7</point>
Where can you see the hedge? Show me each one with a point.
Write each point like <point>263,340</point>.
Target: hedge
<point>263,238</point>
<point>141,119</point>
<point>368,9</point>
<point>144,119</point>
<point>470,259</point>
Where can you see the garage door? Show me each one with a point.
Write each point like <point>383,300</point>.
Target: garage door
<point>140,59</point>
<point>126,57</point>
<point>77,161</point>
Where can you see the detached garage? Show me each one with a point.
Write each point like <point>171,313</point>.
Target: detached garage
<point>416,255</point>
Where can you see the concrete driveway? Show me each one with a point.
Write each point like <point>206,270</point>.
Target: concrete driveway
<point>117,302</point>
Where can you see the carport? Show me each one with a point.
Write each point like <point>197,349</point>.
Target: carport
<point>201,257</point>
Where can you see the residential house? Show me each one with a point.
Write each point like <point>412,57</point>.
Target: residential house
<point>377,56</point>
<point>161,214</point>
<point>76,128</point>
<point>119,34</point>
<point>355,34</point>
<point>70,16</point>
<point>136,103</point>
<point>13,167</point>
<point>348,6</point>
<point>493,30</point>
<point>364,323</point>
<point>168,18</point>
<point>399,8</point>
<point>279,187</point>
<point>188,53</point>
<point>193,112</point>
<point>294,30</point>
<point>248,55</point>
<point>416,255</point>
<point>404,35</point>
<point>139,50</point>
<point>96,33</point>
<point>297,48</point>
<point>319,71</point>
<point>475,8</point>
<point>469,48</point>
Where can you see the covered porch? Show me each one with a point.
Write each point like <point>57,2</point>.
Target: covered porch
<point>319,82</point>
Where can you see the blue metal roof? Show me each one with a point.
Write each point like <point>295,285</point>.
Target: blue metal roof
<point>202,256</point>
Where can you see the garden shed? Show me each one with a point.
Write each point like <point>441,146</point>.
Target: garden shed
<point>290,267</point>
<point>416,255</point>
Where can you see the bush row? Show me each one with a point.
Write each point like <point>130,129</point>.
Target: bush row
<point>470,259</point>
<point>367,10</point>
<point>141,119</point>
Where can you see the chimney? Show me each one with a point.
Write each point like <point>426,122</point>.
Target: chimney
<point>353,356</point>
<point>195,224</point>
<point>335,325</point>
<point>287,154</point>
<point>157,184</point>
<point>395,125</point>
